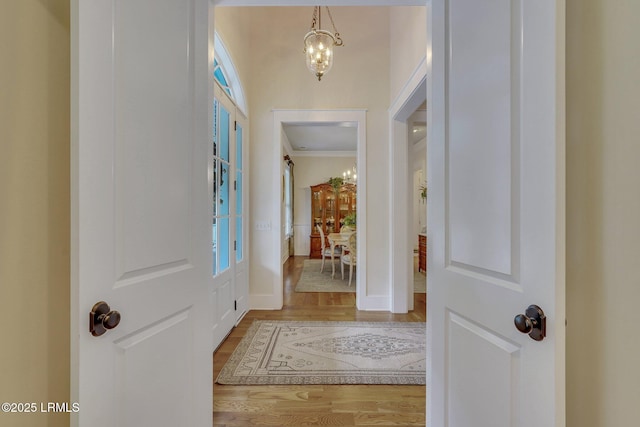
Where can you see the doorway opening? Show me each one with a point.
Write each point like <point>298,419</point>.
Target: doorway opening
<point>288,124</point>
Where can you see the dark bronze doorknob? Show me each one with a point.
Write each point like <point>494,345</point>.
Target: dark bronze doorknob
<point>102,318</point>
<point>533,322</point>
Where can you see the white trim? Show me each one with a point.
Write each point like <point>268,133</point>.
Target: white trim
<point>287,147</point>
<point>229,70</point>
<point>375,303</point>
<point>330,112</point>
<point>318,2</point>
<point>359,116</point>
<point>409,88</point>
<point>411,96</point>
<point>298,153</point>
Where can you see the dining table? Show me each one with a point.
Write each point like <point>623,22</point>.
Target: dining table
<point>337,239</point>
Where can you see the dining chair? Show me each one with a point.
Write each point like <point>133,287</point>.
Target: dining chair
<point>325,250</point>
<point>350,258</point>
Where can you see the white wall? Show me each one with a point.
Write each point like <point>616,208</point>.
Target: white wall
<point>310,171</point>
<point>603,213</point>
<point>280,79</point>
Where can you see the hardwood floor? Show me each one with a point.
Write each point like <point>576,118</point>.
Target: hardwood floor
<point>316,405</point>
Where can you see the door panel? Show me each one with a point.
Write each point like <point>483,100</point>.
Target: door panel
<point>137,359</point>
<point>145,131</point>
<point>483,106</point>
<point>140,222</point>
<point>222,297</point>
<point>470,346</point>
<point>495,212</point>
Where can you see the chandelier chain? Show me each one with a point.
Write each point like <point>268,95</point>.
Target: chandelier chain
<point>314,18</point>
<point>335,30</point>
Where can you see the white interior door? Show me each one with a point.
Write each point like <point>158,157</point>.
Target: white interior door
<point>495,212</point>
<point>141,212</point>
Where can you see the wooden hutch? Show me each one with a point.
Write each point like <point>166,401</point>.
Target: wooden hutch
<point>328,210</point>
<point>422,254</point>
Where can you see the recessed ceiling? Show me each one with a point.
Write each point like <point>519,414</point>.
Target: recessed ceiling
<point>322,136</point>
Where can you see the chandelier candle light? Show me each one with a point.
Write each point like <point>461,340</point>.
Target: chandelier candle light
<point>350,176</point>
<point>319,43</point>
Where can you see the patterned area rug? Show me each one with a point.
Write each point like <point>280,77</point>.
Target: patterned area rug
<point>287,352</point>
<point>312,280</point>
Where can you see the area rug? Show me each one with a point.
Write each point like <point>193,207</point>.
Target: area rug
<point>311,280</point>
<point>288,352</point>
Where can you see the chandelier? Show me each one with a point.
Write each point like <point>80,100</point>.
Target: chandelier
<point>350,176</point>
<point>319,43</point>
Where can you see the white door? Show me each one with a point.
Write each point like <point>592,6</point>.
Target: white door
<point>230,278</point>
<point>495,212</point>
<point>241,186</point>
<point>141,212</point>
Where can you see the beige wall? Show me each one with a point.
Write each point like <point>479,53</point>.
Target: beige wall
<point>603,210</point>
<point>34,207</point>
<point>232,25</point>
<point>408,32</point>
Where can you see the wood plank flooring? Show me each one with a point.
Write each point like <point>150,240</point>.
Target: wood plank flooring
<point>316,405</point>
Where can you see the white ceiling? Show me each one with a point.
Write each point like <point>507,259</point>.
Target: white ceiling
<point>322,136</point>
<point>336,136</point>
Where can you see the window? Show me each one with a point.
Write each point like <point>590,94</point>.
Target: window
<point>221,188</point>
<point>227,75</point>
<point>219,74</point>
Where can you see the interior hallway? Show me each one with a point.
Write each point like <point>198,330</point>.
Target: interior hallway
<point>315,405</point>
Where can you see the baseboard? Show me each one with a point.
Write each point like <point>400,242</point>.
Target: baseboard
<point>374,303</point>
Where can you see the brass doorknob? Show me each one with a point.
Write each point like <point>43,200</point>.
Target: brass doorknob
<point>102,318</point>
<point>533,322</point>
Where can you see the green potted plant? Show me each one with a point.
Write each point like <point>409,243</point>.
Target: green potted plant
<point>349,223</point>
<point>336,183</point>
<point>423,192</point>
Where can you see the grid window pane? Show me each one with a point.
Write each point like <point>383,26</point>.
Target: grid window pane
<point>238,238</point>
<point>224,133</point>
<point>215,241</point>
<point>223,244</point>
<point>223,192</point>
<point>239,147</point>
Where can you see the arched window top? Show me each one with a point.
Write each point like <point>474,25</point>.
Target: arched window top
<point>225,73</point>
<point>220,77</point>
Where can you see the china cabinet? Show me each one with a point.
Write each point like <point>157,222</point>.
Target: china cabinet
<point>422,254</point>
<point>329,207</point>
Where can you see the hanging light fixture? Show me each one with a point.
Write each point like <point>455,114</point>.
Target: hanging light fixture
<point>319,43</point>
<point>350,176</point>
